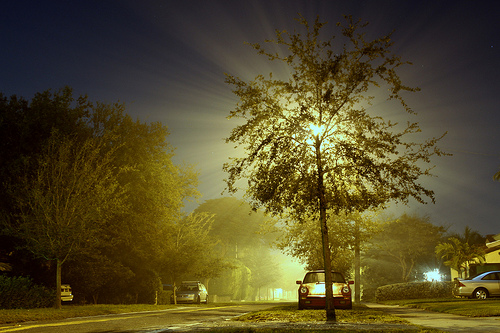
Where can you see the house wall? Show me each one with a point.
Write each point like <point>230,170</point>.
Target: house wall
<point>493,257</point>
<point>492,262</point>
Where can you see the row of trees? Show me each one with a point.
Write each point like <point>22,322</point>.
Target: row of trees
<point>94,192</point>
<point>377,250</point>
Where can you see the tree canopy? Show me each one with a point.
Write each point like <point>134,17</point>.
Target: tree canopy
<point>85,185</point>
<point>406,244</point>
<point>303,240</point>
<point>365,159</point>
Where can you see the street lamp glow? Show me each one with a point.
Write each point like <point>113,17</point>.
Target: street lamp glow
<point>317,130</point>
<point>433,275</point>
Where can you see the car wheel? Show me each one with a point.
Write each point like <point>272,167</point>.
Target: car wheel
<point>206,300</point>
<point>481,293</point>
<point>198,300</point>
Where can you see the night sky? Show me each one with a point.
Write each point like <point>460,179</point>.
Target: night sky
<point>166,61</point>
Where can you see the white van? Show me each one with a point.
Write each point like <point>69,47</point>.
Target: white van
<point>66,294</point>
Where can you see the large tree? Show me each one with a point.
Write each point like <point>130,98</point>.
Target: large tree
<point>407,244</point>
<point>311,145</point>
<point>63,208</point>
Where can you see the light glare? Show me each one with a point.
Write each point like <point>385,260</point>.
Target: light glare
<point>316,129</point>
<point>433,275</point>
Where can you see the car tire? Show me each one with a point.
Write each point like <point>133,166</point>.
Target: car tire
<point>206,300</point>
<point>198,301</point>
<point>480,293</point>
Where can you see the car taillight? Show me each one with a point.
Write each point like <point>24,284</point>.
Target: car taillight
<point>460,284</point>
<point>303,290</point>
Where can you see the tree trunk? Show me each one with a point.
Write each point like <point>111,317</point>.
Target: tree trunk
<point>329,307</point>
<point>357,268</point>
<point>57,304</point>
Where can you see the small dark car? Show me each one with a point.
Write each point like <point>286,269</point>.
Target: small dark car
<point>312,291</point>
<point>192,292</point>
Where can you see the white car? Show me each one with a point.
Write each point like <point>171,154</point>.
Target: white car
<point>192,292</point>
<point>66,294</point>
<point>481,286</point>
<point>312,291</point>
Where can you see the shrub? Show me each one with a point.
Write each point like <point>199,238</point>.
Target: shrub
<point>21,293</point>
<point>164,297</point>
<point>414,290</point>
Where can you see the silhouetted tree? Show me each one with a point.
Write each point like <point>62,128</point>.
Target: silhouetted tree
<point>62,209</point>
<point>404,243</point>
<point>459,250</point>
<point>140,164</point>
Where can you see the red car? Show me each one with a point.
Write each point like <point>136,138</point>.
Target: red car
<point>312,291</point>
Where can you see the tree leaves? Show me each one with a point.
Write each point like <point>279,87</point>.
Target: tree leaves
<point>365,160</point>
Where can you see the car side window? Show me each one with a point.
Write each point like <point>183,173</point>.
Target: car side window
<point>492,276</point>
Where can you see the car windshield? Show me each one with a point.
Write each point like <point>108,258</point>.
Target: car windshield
<point>188,288</point>
<point>319,277</point>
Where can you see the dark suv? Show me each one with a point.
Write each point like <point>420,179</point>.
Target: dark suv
<point>312,291</point>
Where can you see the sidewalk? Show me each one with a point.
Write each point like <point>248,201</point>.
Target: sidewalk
<point>441,321</point>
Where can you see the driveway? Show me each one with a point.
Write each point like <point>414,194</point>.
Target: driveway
<point>442,321</point>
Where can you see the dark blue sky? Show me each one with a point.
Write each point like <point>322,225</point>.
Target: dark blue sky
<point>166,60</point>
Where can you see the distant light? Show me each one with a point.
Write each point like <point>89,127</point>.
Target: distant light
<point>316,129</point>
<point>278,293</point>
<point>433,275</point>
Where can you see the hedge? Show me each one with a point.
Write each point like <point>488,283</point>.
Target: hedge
<point>21,293</point>
<point>414,290</point>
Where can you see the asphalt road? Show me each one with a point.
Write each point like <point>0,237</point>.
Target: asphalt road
<point>179,319</point>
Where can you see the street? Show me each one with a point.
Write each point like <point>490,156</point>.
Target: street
<point>178,319</point>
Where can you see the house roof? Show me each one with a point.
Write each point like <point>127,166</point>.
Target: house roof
<point>492,243</point>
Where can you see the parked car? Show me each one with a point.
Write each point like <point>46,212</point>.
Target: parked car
<point>481,286</point>
<point>192,292</point>
<point>312,291</point>
<point>66,294</point>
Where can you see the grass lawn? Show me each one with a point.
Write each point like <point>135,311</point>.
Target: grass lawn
<point>459,306</point>
<point>289,313</point>
<point>359,319</point>
<point>70,311</point>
